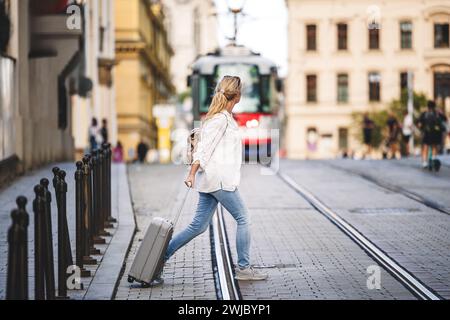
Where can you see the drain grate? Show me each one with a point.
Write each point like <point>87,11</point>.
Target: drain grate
<point>384,210</point>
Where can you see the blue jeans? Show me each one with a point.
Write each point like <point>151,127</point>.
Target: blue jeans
<point>206,207</point>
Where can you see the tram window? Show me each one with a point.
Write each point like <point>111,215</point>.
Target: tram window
<point>251,89</point>
<point>266,93</point>
<point>206,91</point>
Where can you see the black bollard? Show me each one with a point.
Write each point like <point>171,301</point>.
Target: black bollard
<point>64,248</point>
<point>17,277</point>
<point>102,193</point>
<point>62,203</point>
<point>114,220</point>
<point>39,229</point>
<point>79,204</point>
<point>24,222</point>
<point>96,199</point>
<point>88,161</point>
<point>109,217</point>
<point>87,259</point>
<point>49,267</point>
<point>105,173</point>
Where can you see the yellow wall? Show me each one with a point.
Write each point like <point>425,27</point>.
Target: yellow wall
<point>143,61</point>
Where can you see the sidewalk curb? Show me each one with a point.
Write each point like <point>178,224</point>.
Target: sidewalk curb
<point>105,279</point>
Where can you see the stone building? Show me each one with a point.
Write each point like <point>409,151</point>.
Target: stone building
<point>354,55</point>
<point>142,75</point>
<point>192,29</point>
<point>35,67</point>
<point>97,69</point>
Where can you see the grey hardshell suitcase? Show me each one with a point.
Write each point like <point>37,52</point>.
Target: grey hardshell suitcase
<point>149,259</point>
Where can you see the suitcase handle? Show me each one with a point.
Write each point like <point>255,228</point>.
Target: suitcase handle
<point>179,207</point>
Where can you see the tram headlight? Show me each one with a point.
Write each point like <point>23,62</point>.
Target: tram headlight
<point>252,124</point>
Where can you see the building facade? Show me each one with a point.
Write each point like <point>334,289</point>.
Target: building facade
<point>192,29</point>
<point>353,56</point>
<point>35,67</point>
<point>97,68</point>
<point>142,75</point>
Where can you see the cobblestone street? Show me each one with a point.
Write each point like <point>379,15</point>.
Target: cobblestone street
<point>305,254</point>
<point>189,274</point>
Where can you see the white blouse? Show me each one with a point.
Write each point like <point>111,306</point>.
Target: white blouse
<point>219,152</point>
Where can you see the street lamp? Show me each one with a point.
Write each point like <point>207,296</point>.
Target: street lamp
<point>236,7</point>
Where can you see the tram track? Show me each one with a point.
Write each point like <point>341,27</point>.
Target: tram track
<point>401,274</point>
<point>227,287</point>
<point>394,188</point>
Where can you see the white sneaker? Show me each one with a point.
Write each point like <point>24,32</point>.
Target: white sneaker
<point>250,274</point>
<point>424,165</point>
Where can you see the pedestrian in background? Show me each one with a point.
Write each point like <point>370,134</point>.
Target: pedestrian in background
<point>393,133</point>
<point>142,150</point>
<point>430,123</point>
<point>93,134</point>
<point>104,131</point>
<point>407,131</point>
<point>118,153</point>
<point>219,156</point>
<point>368,127</point>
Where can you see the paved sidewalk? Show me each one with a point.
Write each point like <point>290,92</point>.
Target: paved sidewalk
<point>310,257</point>
<point>101,285</point>
<point>189,273</point>
<point>414,235</point>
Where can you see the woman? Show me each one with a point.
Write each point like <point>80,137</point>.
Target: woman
<point>219,157</point>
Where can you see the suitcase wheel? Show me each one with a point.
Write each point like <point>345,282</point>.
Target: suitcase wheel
<point>131,279</point>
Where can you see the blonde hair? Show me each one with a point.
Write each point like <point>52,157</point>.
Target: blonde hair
<point>226,90</point>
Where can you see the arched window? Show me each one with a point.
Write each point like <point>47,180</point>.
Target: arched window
<point>441,82</point>
<point>439,16</point>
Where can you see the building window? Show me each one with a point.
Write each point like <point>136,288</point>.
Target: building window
<point>342,36</point>
<point>374,39</point>
<point>403,82</point>
<point>406,35</point>
<point>374,86</point>
<point>343,139</point>
<point>311,43</point>
<point>441,86</point>
<point>441,35</point>
<point>342,88</point>
<point>311,88</point>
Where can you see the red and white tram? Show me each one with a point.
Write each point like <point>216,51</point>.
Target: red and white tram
<point>257,113</point>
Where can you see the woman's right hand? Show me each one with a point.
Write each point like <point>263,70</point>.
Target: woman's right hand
<point>190,181</point>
